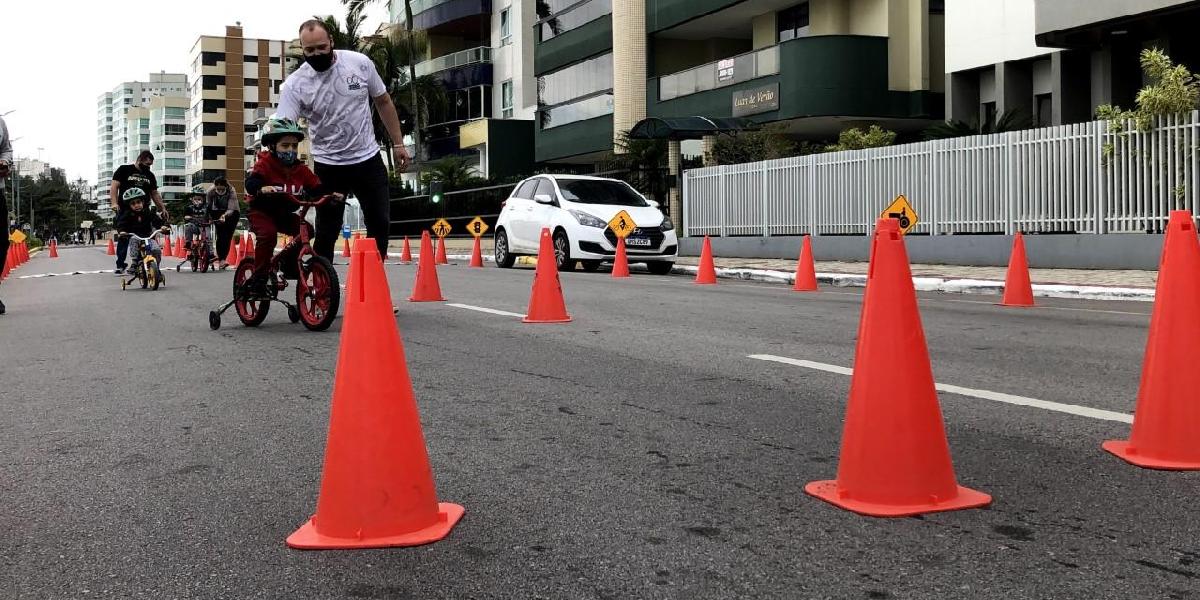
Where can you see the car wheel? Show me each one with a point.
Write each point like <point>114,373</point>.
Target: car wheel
<point>591,266</point>
<point>660,267</point>
<point>562,251</point>
<point>504,258</point>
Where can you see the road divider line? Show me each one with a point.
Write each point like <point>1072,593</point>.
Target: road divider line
<point>490,311</point>
<point>1071,409</point>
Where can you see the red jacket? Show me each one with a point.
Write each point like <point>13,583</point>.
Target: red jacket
<point>296,180</point>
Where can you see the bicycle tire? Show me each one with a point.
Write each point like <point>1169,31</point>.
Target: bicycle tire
<point>318,293</point>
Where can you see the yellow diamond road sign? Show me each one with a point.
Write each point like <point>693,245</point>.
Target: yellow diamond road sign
<point>477,227</point>
<point>903,212</point>
<point>441,228</point>
<point>16,236</point>
<point>622,225</point>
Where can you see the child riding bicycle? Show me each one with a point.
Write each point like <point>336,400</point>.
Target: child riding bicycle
<point>196,216</point>
<point>141,222</point>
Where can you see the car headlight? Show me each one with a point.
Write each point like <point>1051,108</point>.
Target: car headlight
<point>667,225</point>
<point>588,220</point>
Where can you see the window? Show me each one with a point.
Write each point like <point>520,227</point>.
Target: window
<point>247,82</point>
<point>1043,109</point>
<point>175,163</point>
<point>210,59</point>
<point>987,113</point>
<point>211,82</point>
<point>174,181</point>
<point>544,188</point>
<point>793,22</point>
<point>213,128</point>
<point>144,140</point>
<point>552,22</point>
<point>937,7</point>
<point>176,113</point>
<point>172,129</point>
<point>212,106</point>
<point>578,80</point>
<point>213,152</point>
<point>505,27</point>
<point>143,123</point>
<point>250,128</point>
<point>526,189</point>
<point>174,146</point>
<point>250,105</point>
<point>274,60</point>
<point>581,110</point>
<point>506,99</point>
<point>250,58</point>
<point>591,191</point>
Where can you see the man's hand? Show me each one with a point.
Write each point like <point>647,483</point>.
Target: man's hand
<point>221,219</point>
<point>401,158</point>
<point>5,169</point>
<point>269,189</point>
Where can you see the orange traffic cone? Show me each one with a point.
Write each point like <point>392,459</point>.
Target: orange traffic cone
<point>23,248</point>
<point>53,249</point>
<point>377,488</point>
<point>168,249</point>
<point>427,288</point>
<point>249,244</point>
<point>806,269</point>
<point>1017,289</point>
<point>476,255</point>
<point>1166,424</point>
<point>112,250</point>
<point>441,252</point>
<point>357,235</point>
<point>620,262</point>
<point>546,304</point>
<point>707,275</point>
<point>8,259</point>
<point>345,248</point>
<point>179,249</point>
<point>894,459</point>
<point>232,256</point>
<point>406,252</point>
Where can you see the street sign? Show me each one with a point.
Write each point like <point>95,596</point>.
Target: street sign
<point>16,236</point>
<point>622,224</point>
<point>441,228</point>
<point>902,211</point>
<point>477,227</point>
<point>346,232</point>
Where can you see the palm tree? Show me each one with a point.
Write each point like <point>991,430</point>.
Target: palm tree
<point>394,57</point>
<point>646,161</point>
<point>359,5</point>
<point>1011,120</point>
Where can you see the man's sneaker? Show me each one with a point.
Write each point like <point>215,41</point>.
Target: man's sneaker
<point>1,308</point>
<point>119,272</point>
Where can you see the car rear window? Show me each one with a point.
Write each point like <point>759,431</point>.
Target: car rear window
<point>595,191</point>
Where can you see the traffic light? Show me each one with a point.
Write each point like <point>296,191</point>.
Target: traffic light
<point>435,191</point>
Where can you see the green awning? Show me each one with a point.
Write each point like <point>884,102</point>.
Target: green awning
<point>687,128</point>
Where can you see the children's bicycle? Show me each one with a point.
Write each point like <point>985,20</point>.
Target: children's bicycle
<point>198,253</point>
<point>317,289</point>
<point>146,266</point>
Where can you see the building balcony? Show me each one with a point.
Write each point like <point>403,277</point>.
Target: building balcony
<point>572,46</point>
<point>446,17</point>
<point>579,142</point>
<point>460,70</point>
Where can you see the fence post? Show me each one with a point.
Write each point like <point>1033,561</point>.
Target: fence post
<point>1010,185</point>
<point>721,196</point>
<point>683,205</point>
<point>766,218</point>
<point>1097,130</point>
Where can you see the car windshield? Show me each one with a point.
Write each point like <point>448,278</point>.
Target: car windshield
<point>597,191</point>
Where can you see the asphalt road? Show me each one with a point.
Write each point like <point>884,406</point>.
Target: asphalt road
<point>637,452</point>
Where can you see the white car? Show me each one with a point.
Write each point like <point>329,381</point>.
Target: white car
<point>576,209</point>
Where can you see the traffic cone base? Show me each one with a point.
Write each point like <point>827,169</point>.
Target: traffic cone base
<point>829,492</point>
<point>1125,451</point>
<point>307,537</point>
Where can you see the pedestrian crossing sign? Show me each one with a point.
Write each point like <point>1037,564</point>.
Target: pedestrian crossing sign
<point>901,210</point>
<point>441,228</point>
<point>16,237</point>
<point>622,225</point>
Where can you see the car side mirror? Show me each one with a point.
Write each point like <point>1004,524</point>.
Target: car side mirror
<point>543,199</point>
<point>654,203</point>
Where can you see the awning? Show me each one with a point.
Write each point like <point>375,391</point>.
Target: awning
<point>687,128</point>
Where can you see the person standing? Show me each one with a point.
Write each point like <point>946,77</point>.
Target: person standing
<point>334,90</point>
<point>136,175</point>
<point>6,158</point>
<point>224,207</point>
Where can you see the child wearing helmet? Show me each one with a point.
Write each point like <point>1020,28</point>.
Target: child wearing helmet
<point>139,221</point>
<point>277,173</point>
<point>195,213</point>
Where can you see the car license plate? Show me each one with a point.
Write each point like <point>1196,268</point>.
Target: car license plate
<point>637,241</point>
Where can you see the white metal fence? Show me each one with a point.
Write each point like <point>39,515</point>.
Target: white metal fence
<point>1080,178</point>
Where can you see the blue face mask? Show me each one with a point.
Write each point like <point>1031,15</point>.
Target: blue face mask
<point>287,158</point>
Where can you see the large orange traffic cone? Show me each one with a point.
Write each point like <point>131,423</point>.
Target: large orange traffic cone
<point>8,259</point>
<point>546,304</point>
<point>406,252</point>
<point>427,288</point>
<point>53,249</point>
<point>168,249</point>
<point>806,269</point>
<point>1166,424</point>
<point>377,488</point>
<point>441,252</point>
<point>112,249</point>
<point>345,247</point>
<point>248,244</point>
<point>476,255</point>
<point>707,275</point>
<point>621,261</point>
<point>894,459</point>
<point>1017,289</point>
<point>232,256</point>
<point>23,248</point>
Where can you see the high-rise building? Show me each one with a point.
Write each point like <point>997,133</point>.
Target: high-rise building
<point>232,77</point>
<point>123,129</point>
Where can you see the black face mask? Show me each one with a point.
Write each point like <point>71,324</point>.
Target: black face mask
<point>320,62</point>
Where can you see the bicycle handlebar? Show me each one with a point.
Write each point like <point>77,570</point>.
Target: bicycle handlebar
<point>297,201</point>
<point>138,237</point>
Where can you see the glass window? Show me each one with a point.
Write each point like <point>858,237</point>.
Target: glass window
<point>250,58</point>
<point>176,113</point>
<point>143,123</point>
<point>578,80</point>
<point>593,191</point>
<point>588,108</point>
<point>211,82</point>
<point>526,190</point>
<point>213,128</point>
<point>174,146</point>
<point>544,187</point>
<point>553,24</point>
<point>793,22</point>
<point>175,163</point>
<point>144,139</point>
<point>174,181</point>
<point>210,59</point>
<point>506,99</point>
<point>937,7</point>
<point>212,106</point>
<point>213,152</point>
<point>247,82</point>
<point>171,129</point>
<point>505,27</point>
<point>274,60</point>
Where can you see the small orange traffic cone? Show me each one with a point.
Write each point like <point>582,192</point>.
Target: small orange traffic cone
<point>53,249</point>
<point>895,460</point>
<point>476,255</point>
<point>8,260</point>
<point>357,236</point>
<point>248,242</point>
<point>1017,289</point>
<point>441,252</point>
<point>426,288</point>
<point>1166,424</point>
<point>168,249</point>
<point>406,252</point>
<point>546,304</point>
<point>620,262</point>
<point>24,249</point>
<point>806,269</point>
<point>707,274</point>
<point>345,248</point>
<point>377,488</point>
<point>112,249</point>
<point>232,256</point>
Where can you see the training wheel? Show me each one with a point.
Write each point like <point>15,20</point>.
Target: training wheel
<point>293,314</point>
<point>214,320</point>
<point>124,284</point>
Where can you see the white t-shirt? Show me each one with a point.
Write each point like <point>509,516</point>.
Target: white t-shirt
<point>337,104</point>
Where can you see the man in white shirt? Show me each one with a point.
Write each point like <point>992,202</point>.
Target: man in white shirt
<point>334,90</point>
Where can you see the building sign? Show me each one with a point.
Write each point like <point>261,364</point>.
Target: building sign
<point>725,70</point>
<point>756,100</point>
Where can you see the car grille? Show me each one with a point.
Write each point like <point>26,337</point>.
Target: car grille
<point>655,234</point>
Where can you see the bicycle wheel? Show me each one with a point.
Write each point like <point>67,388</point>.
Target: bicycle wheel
<point>153,274</point>
<point>317,293</point>
<point>195,259</point>
<point>145,279</point>
<point>204,258</point>
<point>252,312</point>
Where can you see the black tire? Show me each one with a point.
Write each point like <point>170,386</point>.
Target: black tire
<point>318,293</point>
<point>504,258</point>
<point>660,267</point>
<point>214,320</point>
<point>250,312</point>
<point>195,261</point>
<point>562,251</point>
<point>156,278</point>
<point>293,313</point>
<point>143,276</point>
<point>591,266</point>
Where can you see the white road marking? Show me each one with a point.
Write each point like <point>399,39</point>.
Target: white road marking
<point>490,311</point>
<point>1071,409</point>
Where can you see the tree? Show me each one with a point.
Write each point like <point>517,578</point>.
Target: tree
<point>455,172</point>
<point>767,143</point>
<point>359,5</point>
<point>1173,90</point>
<point>857,139</point>
<point>1010,120</point>
<point>646,163</point>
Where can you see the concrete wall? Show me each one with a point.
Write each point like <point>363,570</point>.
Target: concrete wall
<point>765,31</point>
<point>1113,251</point>
<point>1057,15</point>
<point>981,33</point>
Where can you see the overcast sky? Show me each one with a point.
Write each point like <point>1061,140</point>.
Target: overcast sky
<point>58,57</point>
